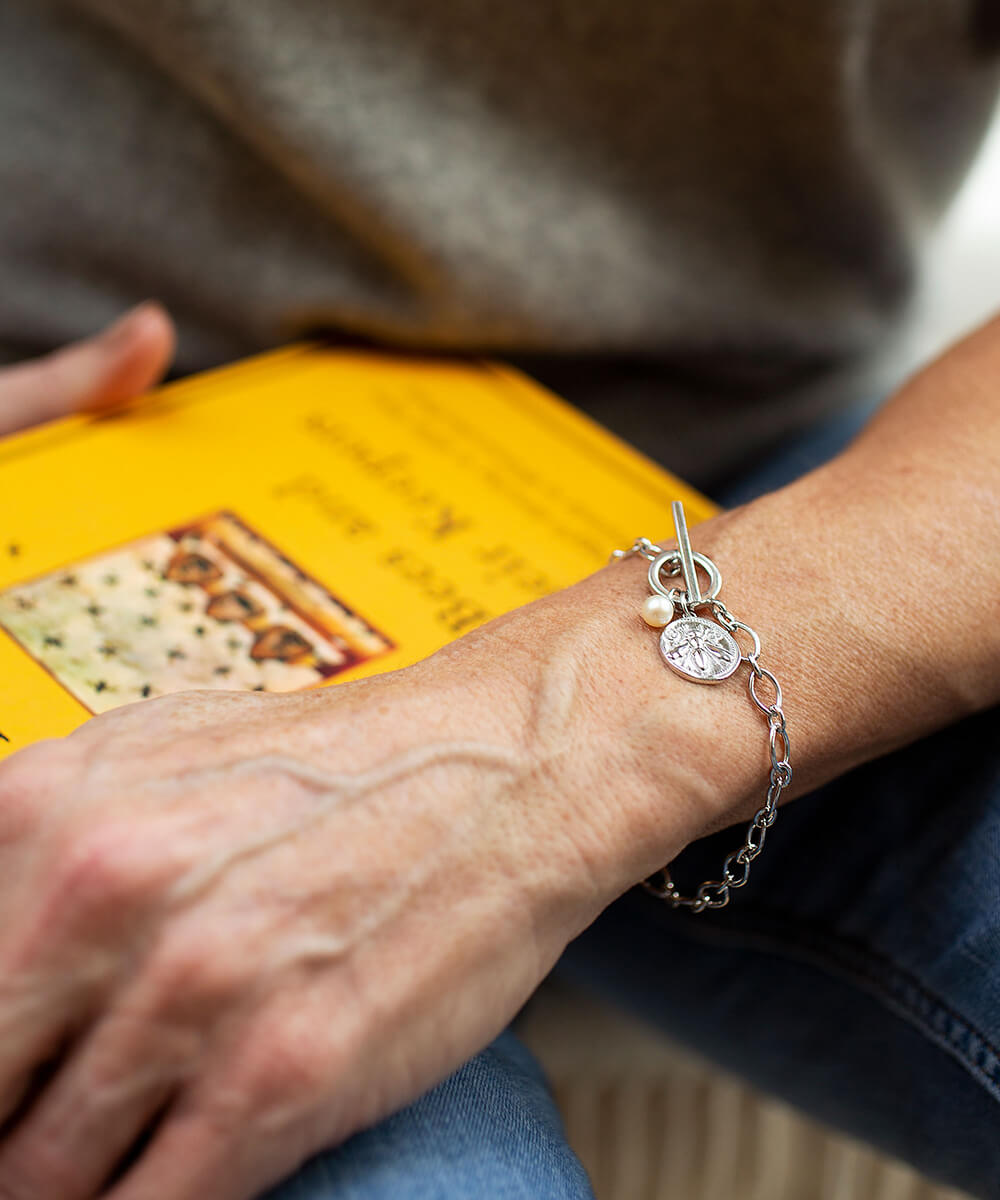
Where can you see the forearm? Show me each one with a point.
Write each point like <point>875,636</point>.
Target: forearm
<point>873,583</point>
<point>879,574</point>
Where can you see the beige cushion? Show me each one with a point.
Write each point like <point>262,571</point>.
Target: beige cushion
<point>652,1122</point>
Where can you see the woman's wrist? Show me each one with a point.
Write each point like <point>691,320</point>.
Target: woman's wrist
<point>845,575</point>
<point>621,749</point>
<point>827,571</point>
<point>840,575</point>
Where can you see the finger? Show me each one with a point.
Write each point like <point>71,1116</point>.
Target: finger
<point>20,1093</point>
<point>33,782</point>
<point>35,1016</point>
<point>93,1110</point>
<point>33,1029</point>
<point>62,950</point>
<point>102,372</point>
<point>200,1152</point>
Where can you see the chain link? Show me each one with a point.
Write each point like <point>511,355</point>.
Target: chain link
<point>641,546</point>
<point>716,893</point>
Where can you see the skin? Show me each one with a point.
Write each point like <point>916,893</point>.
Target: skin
<point>249,925</point>
<point>97,374</point>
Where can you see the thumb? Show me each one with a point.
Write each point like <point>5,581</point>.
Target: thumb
<point>101,372</point>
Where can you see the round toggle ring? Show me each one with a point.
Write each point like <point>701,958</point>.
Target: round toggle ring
<point>672,558</point>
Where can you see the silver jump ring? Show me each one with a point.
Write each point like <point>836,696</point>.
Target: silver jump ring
<point>672,558</point>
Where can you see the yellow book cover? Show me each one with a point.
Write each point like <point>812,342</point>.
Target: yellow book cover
<point>302,518</point>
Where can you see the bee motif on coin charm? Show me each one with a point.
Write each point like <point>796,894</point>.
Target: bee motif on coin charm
<point>699,650</point>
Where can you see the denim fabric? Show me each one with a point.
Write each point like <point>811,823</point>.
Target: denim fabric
<point>857,976</point>
<point>490,1130</point>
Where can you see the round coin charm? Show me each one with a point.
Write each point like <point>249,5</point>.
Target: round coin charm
<point>699,650</point>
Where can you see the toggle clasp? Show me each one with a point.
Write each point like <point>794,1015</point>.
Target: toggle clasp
<point>688,561</point>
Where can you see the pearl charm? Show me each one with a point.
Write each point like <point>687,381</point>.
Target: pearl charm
<point>657,611</point>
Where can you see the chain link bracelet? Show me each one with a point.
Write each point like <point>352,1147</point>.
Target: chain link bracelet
<point>705,651</point>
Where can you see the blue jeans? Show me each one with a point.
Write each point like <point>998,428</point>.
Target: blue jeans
<point>858,977</point>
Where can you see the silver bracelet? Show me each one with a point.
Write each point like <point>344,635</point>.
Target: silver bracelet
<point>702,651</point>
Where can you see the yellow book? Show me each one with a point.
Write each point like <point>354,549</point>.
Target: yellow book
<point>303,518</point>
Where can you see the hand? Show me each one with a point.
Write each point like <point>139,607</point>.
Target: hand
<point>102,372</point>
<point>257,923</point>
<point>236,928</point>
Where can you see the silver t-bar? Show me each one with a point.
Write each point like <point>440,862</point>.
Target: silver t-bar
<point>684,549</point>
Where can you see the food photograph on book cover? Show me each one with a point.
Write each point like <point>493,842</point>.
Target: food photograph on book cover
<point>210,604</point>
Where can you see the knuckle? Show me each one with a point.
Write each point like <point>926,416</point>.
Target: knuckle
<point>22,775</point>
<point>286,1068</point>
<point>27,777</point>
<point>104,870</point>
<point>192,971</point>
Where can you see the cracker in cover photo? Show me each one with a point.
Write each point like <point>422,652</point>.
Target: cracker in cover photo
<point>211,604</point>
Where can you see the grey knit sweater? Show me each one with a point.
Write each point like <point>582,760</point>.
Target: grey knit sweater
<point>695,216</point>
